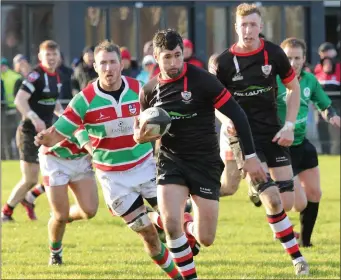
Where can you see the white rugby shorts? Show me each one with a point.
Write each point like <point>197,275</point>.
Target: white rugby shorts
<point>58,171</point>
<point>121,189</point>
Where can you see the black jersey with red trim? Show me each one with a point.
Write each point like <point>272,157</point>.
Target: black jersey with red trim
<point>251,79</point>
<point>44,88</point>
<point>190,100</point>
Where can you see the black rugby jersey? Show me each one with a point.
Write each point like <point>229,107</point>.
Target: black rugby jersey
<point>190,100</point>
<point>44,88</point>
<point>251,79</point>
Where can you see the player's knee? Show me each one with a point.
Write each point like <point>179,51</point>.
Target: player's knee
<point>230,188</point>
<point>172,227</point>
<point>315,195</point>
<point>90,213</point>
<point>206,239</point>
<point>30,183</point>
<point>60,217</point>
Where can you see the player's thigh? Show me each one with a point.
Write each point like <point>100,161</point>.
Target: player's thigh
<point>300,196</point>
<point>59,201</point>
<point>206,218</point>
<point>310,180</point>
<point>29,171</point>
<point>230,179</point>
<point>86,194</point>
<point>171,201</point>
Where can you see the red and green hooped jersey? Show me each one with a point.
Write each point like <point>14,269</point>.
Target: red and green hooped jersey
<point>70,148</point>
<point>110,125</point>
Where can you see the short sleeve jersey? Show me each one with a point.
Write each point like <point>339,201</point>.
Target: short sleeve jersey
<point>44,88</point>
<point>190,100</point>
<point>251,79</point>
<point>311,91</point>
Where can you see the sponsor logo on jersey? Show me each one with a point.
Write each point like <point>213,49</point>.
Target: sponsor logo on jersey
<point>252,91</point>
<point>102,117</point>
<point>33,76</point>
<point>266,69</point>
<point>178,116</point>
<point>132,109</point>
<point>47,101</point>
<point>186,96</point>
<point>237,77</point>
<point>306,92</point>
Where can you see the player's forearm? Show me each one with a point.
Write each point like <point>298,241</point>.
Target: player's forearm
<point>328,113</point>
<point>58,110</point>
<point>24,108</point>
<point>292,101</point>
<point>233,111</point>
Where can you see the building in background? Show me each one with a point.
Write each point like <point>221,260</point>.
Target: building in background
<point>209,24</point>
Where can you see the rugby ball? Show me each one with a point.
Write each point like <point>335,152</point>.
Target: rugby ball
<point>157,119</point>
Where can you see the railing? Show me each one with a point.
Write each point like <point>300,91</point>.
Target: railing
<point>11,118</point>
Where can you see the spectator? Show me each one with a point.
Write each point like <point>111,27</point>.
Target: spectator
<point>328,73</point>
<point>84,71</point>
<point>148,64</point>
<point>148,48</point>
<point>9,120</point>
<point>65,76</point>
<point>325,50</point>
<point>189,56</point>
<point>23,67</point>
<point>130,66</point>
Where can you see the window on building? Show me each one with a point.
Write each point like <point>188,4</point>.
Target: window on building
<point>40,28</point>
<point>177,18</point>
<point>95,26</point>
<point>216,30</point>
<point>12,39</point>
<point>122,28</point>
<point>295,22</point>
<point>150,23</point>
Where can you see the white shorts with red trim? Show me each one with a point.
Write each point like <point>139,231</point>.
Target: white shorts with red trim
<point>58,171</point>
<point>121,189</point>
<point>225,149</point>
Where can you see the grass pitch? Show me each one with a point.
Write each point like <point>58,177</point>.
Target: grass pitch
<point>104,248</point>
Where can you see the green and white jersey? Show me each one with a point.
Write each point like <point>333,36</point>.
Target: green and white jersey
<point>110,125</point>
<point>311,91</point>
<point>69,148</point>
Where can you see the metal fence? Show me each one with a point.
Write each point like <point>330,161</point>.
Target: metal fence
<point>325,137</point>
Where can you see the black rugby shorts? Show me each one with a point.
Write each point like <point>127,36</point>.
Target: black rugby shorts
<point>273,154</point>
<point>303,157</point>
<point>200,175</point>
<point>25,141</point>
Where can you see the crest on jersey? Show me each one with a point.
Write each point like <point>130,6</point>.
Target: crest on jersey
<point>306,92</point>
<point>237,77</point>
<point>186,96</point>
<point>266,69</point>
<point>33,76</point>
<point>132,109</point>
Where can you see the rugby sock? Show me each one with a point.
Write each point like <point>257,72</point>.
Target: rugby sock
<point>32,195</point>
<point>165,261</point>
<point>56,248</point>
<point>282,227</point>
<point>182,256</point>
<point>308,218</point>
<point>7,210</point>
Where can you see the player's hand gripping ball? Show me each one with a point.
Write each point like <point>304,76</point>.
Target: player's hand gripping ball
<point>157,119</point>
